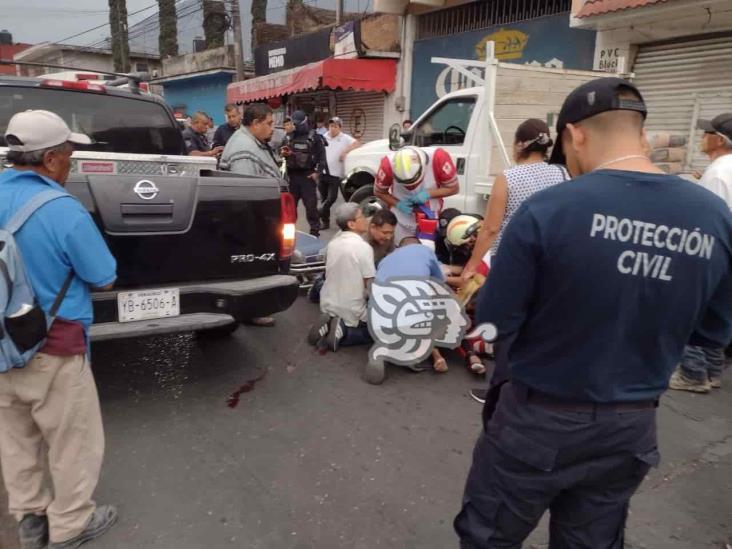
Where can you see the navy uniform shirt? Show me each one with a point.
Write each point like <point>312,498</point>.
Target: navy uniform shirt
<point>223,134</point>
<point>606,278</point>
<point>195,141</point>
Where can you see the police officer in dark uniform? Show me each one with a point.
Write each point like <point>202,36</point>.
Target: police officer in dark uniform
<point>304,150</point>
<point>601,281</point>
<point>195,137</point>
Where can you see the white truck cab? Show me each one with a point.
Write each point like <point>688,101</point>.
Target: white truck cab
<point>472,124</point>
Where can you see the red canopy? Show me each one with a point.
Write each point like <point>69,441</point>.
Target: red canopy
<point>345,74</point>
<point>601,7</point>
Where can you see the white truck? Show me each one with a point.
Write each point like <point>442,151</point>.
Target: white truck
<point>472,124</point>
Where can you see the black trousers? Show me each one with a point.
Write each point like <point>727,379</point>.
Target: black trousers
<point>328,187</point>
<point>303,188</point>
<point>582,466</point>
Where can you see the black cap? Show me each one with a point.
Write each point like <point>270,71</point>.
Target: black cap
<point>721,123</point>
<point>298,117</point>
<point>594,97</point>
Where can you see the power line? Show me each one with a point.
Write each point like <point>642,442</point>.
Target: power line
<point>102,25</point>
<point>149,25</point>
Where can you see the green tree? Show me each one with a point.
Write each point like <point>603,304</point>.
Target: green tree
<point>259,15</point>
<point>120,42</point>
<point>168,39</point>
<point>214,23</point>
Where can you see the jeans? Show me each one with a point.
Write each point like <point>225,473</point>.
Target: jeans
<point>302,187</point>
<point>358,335</point>
<point>328,187</point>
<point>702,363</point>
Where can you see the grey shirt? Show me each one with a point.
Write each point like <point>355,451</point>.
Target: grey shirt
<point>246,155</point>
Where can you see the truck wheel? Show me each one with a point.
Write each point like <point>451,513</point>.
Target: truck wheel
<point>365,198</point>
<point>374,372</point>
<point>218,333</point>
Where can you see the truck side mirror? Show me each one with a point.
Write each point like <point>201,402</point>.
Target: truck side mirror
<point>395,137</point>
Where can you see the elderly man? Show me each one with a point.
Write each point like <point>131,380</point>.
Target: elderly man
<point>225,131</point>
<point>701,368</point>
<point>349,269</point>
<point>195,138</point>
<point>339,145</point>
<point>52,402</point>
<point>248,153</point>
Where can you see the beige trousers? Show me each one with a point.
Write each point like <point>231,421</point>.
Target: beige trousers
<point>51,404</point>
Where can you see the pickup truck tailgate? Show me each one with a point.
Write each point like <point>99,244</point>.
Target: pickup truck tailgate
<point>173,229</point>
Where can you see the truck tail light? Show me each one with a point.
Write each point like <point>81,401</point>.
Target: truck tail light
<point>288,216</point>
<point>82,85</point>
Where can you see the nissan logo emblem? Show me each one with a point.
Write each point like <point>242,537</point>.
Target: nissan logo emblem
<point>146,189</point>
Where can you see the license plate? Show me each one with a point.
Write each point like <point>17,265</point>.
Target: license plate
<point>148,304</point>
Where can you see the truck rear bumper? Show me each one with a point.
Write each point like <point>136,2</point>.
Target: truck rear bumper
<point>203,305</point>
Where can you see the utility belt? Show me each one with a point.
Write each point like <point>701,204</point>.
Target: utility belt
<point>531,396</point>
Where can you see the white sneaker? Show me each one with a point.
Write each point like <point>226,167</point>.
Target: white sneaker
<point>680,382</point>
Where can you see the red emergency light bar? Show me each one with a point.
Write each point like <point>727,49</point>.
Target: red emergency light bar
<point>73,85</point>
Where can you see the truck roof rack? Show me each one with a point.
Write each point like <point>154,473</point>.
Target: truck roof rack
<point>132,79</point>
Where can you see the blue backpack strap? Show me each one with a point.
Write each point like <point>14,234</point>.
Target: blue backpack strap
<point>30,207</point>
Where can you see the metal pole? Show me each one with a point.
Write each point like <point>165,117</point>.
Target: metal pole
<point>339,12</point>
<point>491,77</point>
<point>238,48</point>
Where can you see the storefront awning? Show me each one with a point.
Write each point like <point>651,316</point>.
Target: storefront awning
<point>345,74</point>
<point>602,7</point>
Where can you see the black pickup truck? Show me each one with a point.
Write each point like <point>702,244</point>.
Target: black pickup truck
<point>197,249</point>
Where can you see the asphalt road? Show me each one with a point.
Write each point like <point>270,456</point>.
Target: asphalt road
<point>312,457</point>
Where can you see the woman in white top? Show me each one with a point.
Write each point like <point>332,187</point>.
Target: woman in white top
<point>531,174</point>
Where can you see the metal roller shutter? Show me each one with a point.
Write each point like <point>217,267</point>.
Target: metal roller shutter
<point>362,114</point>
<point>683,81</point>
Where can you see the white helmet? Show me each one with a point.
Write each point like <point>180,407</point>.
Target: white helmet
<point>409,165</point>
<point>462,228</point>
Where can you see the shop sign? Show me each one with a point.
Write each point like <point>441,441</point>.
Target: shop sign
<point>294,52</point>
<point>546,41</point>
<point>611,59</point>
<point>276,58</point>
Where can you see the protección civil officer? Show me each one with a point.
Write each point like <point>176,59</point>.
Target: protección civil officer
<point>602,280</point>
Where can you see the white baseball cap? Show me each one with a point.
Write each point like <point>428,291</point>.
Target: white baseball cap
<point>36,130</point>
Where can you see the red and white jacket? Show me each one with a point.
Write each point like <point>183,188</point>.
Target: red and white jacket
<point>440,172</point>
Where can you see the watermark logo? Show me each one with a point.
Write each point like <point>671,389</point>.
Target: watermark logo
<point>407,318</point>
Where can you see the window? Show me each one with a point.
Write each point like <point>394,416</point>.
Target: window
<point>484,14</point>
<point>115,124</point>
<point>447,124</point>
<point>141,67</point>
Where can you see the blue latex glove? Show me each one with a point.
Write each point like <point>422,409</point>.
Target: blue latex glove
<point>422,197</point>
<point>405,206</point>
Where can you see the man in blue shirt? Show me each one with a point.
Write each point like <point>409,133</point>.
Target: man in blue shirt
<point>53,399</point>
<point>414,260</point>
<point>602,281</point>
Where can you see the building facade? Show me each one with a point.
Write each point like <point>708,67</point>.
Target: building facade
<point>679,54</point>
<point>349,71</point>
<point>88,59</point>
<point>198,81</point>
